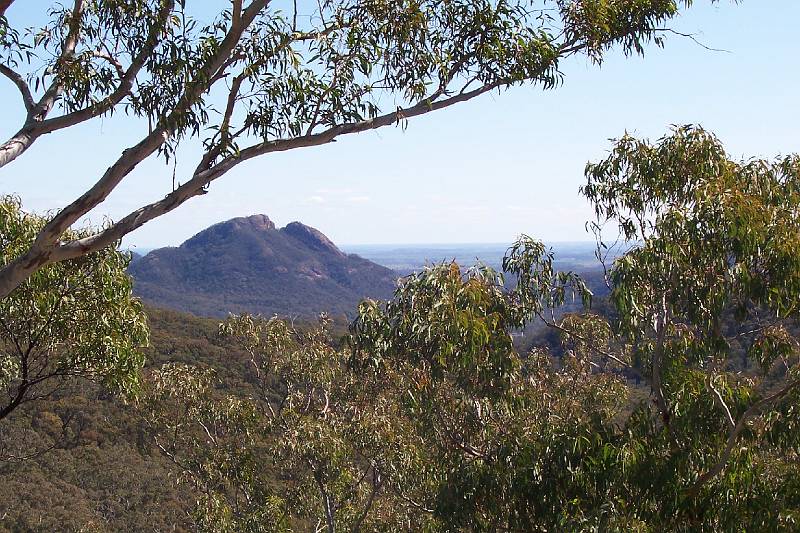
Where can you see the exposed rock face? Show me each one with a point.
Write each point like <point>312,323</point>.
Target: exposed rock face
<point>247,265</point>
<point>229,229</point>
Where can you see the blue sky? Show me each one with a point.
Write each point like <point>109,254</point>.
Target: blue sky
<point>484,171</point>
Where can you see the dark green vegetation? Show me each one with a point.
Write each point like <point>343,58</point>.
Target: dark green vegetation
<point>246,265</point>
<point>82,460</point>
<point>76,320</point>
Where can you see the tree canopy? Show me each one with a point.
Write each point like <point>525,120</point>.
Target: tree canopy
<point>709,301</point>
<point>425,417</point>
<point>269,76</point>
<point>75,319</point>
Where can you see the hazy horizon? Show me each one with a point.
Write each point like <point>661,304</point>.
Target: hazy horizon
<point>400,245</point>
<point>408,257</point>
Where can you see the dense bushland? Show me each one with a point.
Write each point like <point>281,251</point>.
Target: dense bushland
<point>428,418</point>
<point>672,405</point>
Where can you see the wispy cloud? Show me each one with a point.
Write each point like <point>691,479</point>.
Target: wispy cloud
<point>333,198</point>
<point>466,208</point>
<point>358,199</point>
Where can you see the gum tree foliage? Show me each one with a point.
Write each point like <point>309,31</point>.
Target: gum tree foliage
<point>266,76</point>
<point>314,449</point>
<point>413,423</point>
<point>708,307</point>
<point>75,319</point>
<point>425,417</point>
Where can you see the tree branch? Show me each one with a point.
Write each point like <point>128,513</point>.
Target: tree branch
<point>376,484</point>
<point>733,436</point>
<point>196,185</point>
<point>657,361</point>
<point>604,353</point>
<point>22,140</point>
<point>693,38</point>
<point>720,401</point>
<point>5,4</point>
<point>37,123</point>
<point>414,504</point>
<point>224,129</point>
<point>47,101</point>
<point>27,97</point>
<point>46,248</point>
<point>114,62</point>
<point>327,502</point>
<point>236,13</point>
<point>127,79</point>
<point>43,252</point>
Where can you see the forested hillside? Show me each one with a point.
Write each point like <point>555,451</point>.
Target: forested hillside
<point>82,459</point>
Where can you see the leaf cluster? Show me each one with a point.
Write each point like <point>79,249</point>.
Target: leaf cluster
<point>76,319</point>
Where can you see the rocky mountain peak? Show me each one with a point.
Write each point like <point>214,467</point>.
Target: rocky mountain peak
<point>247,265</point>
<point>229,229</point>
<point>312,238</point>
<point>255,221</point>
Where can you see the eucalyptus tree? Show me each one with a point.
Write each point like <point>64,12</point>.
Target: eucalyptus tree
<point>707,302</point>
<point>267,76</point>
<point>69,321</point>
<point>313,447</point>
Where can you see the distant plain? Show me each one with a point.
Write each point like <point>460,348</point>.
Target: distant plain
<point>406,258</point>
